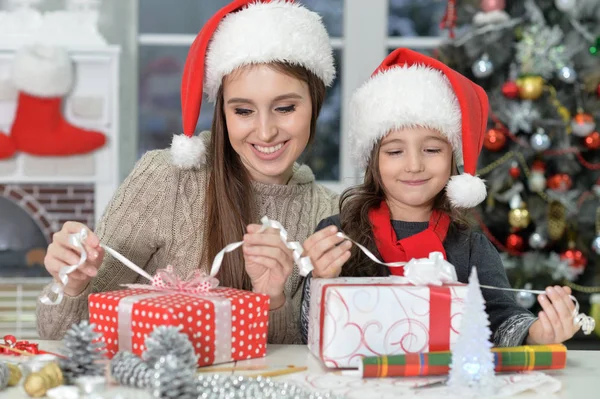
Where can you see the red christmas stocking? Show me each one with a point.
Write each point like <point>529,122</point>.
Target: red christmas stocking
<point>7,148</point>
<point>43,76</point>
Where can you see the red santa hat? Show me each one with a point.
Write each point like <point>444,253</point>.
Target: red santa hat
<point>242,33</point>
<point>410,89</point>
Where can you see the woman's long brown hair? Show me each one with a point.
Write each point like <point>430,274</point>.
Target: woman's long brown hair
<point>355,204</point>
<point>229,196</point>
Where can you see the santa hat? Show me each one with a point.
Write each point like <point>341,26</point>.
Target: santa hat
<point>410,89</point>
<point>242,33</point>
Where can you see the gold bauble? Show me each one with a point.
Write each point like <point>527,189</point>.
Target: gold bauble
<point>15,375</point>
<point>37,384</point>
<point>519,218</point>
<point>530,87</point>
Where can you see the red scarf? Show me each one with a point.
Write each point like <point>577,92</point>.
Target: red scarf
<point>415,246</point>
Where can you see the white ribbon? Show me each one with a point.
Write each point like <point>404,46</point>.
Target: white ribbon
<point>296,247</point>
<point>57,287</point>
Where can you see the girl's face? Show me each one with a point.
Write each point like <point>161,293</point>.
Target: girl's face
<point>268,116</point>
<point>414,164</point>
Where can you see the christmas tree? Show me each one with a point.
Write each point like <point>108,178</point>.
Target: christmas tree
<point>472,363</point>
<point>539,61</point>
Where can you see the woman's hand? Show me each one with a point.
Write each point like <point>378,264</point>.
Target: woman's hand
<point>268,262</point>
<point>61,253</point>
<point>555,323</point>
<point>326,253</point>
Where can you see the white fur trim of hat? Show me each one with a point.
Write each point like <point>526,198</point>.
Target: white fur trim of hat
<point>267,32</point>
<point>401,97</point>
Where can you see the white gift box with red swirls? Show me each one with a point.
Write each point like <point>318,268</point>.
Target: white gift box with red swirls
<point>355,317</point>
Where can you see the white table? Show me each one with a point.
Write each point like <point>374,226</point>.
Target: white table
<point>580,379</point>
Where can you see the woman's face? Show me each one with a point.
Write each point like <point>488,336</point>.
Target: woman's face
<point>268,116</point>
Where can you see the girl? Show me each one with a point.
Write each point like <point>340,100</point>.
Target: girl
<point>411,124</point>
<point>265,64</point>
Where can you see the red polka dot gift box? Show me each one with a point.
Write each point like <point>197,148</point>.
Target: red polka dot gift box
<point>223,324</point>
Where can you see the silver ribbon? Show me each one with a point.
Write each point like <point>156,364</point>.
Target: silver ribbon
<point>76,240</point>
<point>297,249</point>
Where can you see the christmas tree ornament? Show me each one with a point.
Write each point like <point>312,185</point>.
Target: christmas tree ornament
<point>595,48</point>
<point>537,240</point>
<point>514,242</point>
<point>560,182</point>
<point>510,90</point>
<point>537,178</point>
<point>592,141</point>
<point>596,244</point>
<point>448,21</point>
<point>472,365</point>
<point>171,380</point>
<point>37,384</point>
<point>595,311</point>
<point>165,340</point>
<point>514,171</point>
<point>582,124</point>
<point>575,257</point>
<point>44,76</point>
<point>84,352</point>
<point>524,298</point>
<point>567,74</point>
<point>494,140</point>
<point>492,5</point>
<point>557,222</point>
<point>129,370</point>
<point>483,67</point>
<point>565,5</point>
<point>518,216</point>
<point>540,141</point>
<point>530,87</point>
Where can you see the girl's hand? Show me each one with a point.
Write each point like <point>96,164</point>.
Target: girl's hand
<point>326,253</point>
<point>555,323</point>
<point>61,253</point>
<point>268,262</point>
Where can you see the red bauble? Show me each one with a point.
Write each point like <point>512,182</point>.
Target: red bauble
<point>575,258</point>
<point>494,140</point>
<point>560,182</point>
<point>538,165</point>
<point>592,141</point>
<point>514,242</point>
<point>510,89</point>
<point>514,171</point>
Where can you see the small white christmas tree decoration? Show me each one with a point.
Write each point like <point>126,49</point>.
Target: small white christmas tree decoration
<point>472,365</point>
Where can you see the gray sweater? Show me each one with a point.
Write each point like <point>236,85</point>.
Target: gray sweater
<point>509,322</point>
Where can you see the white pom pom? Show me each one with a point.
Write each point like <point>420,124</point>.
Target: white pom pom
<point>188,152</point>
<point>465,191</point>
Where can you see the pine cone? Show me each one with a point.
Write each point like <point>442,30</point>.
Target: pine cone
<point>83,355</point>
<point>167,340</point>
<point>172,380</point>
<point>4,375</point>
<point>129,370</point>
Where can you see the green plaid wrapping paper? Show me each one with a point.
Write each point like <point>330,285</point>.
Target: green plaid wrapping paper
<point>519,358</point>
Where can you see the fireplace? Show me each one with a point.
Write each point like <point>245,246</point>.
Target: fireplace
<point>30,214</point>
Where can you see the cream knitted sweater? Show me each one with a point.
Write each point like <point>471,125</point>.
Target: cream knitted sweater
<point>157,217</point>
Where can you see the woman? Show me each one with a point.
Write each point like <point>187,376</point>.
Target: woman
<point>266,65</point>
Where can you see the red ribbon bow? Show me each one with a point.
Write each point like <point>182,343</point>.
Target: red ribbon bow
<point>200,282</point>
<point>10,341</point>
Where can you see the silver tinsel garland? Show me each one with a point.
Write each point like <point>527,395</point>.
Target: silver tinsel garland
<point>4,375</point>
<point>84,352</point>
<point>129,370</point>
<point>239,387</point>
<point>165,340</point>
